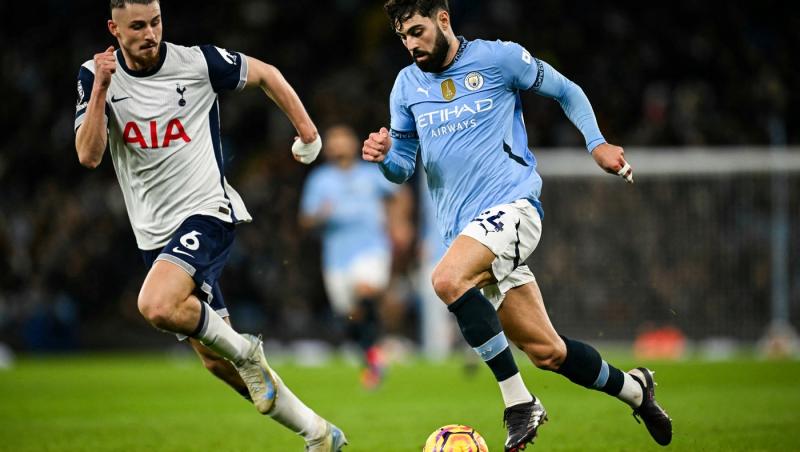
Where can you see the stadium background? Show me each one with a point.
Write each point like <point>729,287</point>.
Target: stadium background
<point>685,252</point>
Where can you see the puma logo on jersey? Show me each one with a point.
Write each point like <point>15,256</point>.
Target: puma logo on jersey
<point>174,131</point>
<point>423,91</point>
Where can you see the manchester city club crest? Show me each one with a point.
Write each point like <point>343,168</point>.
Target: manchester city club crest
<point>448,89</point>
<point>473,81</point>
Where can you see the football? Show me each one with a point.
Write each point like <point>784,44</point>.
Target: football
<point>455,438</point>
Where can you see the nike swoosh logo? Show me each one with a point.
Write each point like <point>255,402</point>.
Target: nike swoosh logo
<point>114,100</point>
<point>176,250</point>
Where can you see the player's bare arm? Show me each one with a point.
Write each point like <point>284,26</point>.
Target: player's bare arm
<point>612,159</point>
<point>90,140</point>
<point>376,146</point>
<point>269,78</point>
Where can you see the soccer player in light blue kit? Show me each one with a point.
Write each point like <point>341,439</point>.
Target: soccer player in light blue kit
<point>347,200</point>
<point>459,106</point>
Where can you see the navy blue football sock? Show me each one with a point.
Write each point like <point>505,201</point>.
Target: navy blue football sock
<point>584,366</point>
<point>201,324</point>
<point>366,328</point>
<point>482,331</point>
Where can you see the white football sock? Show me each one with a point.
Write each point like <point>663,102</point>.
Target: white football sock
<point>217,335</point>
<point>631,392</point>
<point>292,413</point>
<point>514,390</point>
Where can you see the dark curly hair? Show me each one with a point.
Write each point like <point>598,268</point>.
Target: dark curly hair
<point>400,11</point>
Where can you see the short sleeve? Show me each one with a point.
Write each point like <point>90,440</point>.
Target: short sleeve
<point>402,120</point>
<point>227,70</point>
<point>520,69</point>
<point>85,83</point>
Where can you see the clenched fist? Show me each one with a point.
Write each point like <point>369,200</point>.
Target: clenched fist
<point>612,159</point>
<point>376,146</point>
<point>105,65</point>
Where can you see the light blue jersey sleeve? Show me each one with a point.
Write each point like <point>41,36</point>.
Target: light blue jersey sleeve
<point>400,161</point>
<point>386,188</point>
<point>524,72</point>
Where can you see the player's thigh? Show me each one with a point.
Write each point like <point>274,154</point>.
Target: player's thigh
<point>467,260</point>
<point>526,323</point>
<point>166,284</point>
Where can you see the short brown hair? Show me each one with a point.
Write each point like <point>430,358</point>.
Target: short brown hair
<point>121,3</point>
<point>400,11</point>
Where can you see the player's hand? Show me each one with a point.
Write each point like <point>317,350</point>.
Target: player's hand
<point>376,146</point>
<point>105,65</point>
<point>612,159</point>
<point>306,152</point>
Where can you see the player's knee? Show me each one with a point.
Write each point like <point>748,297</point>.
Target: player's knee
<point>156,310</point>
<point>447,285</point>
<point>547,356</point>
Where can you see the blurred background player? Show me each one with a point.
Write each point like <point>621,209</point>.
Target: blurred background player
<point>154,105</point>
<point>460,104</point>
<point>349,201</point>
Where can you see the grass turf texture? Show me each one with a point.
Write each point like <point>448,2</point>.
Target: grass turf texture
<point>153,403</point>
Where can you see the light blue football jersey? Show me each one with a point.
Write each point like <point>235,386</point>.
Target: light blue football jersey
<point>467,124</point>
<point>357,221</point>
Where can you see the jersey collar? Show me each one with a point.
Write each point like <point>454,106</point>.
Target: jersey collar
<point>461,47</point>
<point>162,55</point>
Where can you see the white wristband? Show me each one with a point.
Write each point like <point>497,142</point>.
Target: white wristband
<point>307,152</point>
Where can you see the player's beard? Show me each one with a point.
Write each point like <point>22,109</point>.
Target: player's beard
<point>148,57</point>
<point>437,56</point>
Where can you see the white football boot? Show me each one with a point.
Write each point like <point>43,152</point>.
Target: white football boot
<point>258,377</point>
<point>332,441</point>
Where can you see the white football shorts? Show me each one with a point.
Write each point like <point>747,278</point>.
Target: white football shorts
<point>511,231</point>
<point>371,269</point>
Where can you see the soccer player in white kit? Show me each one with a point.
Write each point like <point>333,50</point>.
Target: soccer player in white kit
<point>154,105</point>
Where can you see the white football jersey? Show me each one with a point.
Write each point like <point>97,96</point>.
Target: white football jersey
<point>164,137</point>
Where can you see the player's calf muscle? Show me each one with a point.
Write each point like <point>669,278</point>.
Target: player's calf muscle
<point>547,356</point>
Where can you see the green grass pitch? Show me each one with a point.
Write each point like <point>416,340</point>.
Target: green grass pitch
<point>154,403</point>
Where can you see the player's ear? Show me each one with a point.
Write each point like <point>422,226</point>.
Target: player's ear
<point>112,28</point>
<point>443,17</point>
